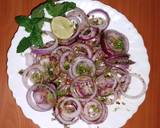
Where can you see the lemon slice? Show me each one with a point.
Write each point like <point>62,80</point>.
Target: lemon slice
<point>62,28</point>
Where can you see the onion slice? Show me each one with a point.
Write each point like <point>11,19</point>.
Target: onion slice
<point>116,42</point>
<point>67,55</point>
<point>94,112</point>
<point>36,97</point>
<point>88,64</point>
<point>80,14</point>
<point>88,34</point>
<point>142,91</point>
<point>81,49</point>
<point>99,18</point>
<point>68,110</point>
<point>27,74</point>
<point>83,88</point>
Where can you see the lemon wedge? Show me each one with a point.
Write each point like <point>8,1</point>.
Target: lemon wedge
<point>62,27</point>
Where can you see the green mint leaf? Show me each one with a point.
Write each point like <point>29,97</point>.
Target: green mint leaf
<point>25,22</point>
<point>38,21</point>
<point>35,37</point>
<point>24,44</point>
<point>38,12</point>
<point>60,9</point>
<point>50,1</point>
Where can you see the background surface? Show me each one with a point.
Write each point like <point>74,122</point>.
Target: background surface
<point>145,14</point>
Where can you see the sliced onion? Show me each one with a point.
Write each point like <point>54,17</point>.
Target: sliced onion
<point>85,47</point>
<point>118,71</point>
<point>94,43</point>
<point>104,83</point>
<point>110,35</point>
<point>36,98</point>
<point>101,15</point>
<point>99,56</point>
<point>27,74</point>
<point>63,59</point>
<point>96,114</point>
<point>83,60</point>
<point>72,102</point>
<point>143,89</point>
<point>83,88</point>
<point>60,50</point>
<point>88,34</point>
<point>80,14</point>
<point>71,73</point>
<point>103,45</point>
<point>66,117</point>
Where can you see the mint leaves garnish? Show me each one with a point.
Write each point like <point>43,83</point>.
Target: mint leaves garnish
<point>34,23</point>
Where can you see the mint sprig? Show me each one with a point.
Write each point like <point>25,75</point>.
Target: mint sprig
<point>34,23</point>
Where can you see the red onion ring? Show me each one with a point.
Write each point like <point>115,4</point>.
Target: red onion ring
<point>27,74</point>
<point>99,13</point>
<point>65,118</point>
<point>103,82</point>
<point>80,14</point>
<point>116,35</point>
<point>94,43</point>
<point>86,61</point>
<point>143,89</point>
<point>60,50</point>
<point>75,102</point>
<point>88,34</point>
<point>90,116</point>
<point>63,58</point>
<point>36,100</point>
<point>99,55</point>
<point>103,46</point>
<point>85,47</point>
<point>88,92</point>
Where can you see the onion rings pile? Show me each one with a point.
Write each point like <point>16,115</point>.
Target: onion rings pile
<point>80,76</point>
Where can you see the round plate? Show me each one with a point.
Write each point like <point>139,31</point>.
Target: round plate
<point>118,114</point>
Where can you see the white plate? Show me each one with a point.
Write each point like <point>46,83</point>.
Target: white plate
<point>115,119</point>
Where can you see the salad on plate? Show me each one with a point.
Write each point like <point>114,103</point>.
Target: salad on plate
<point>77,68</point>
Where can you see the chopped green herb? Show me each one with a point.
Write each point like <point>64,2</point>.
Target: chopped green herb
<point>98,62</point>
<point>95,108</point>
<point>37,77</point>
<point>107,74</point>
<point>60,93</point>
<point>82,69</point>
<point>66,65</point>
<point>118,44</point>
<point>50,96</point>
